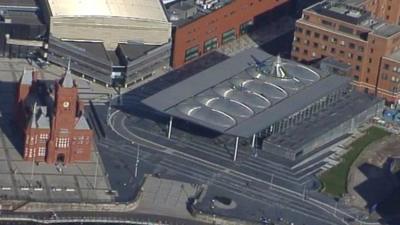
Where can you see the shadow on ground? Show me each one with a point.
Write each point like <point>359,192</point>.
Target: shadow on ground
<point>8,123</point>
<point>381,191</point>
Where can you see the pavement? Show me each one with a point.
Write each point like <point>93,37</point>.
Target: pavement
<point>29,181</point>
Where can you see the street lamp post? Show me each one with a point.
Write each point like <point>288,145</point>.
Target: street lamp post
<point>95,172</point>
<point>110,97</point>
<point>33,168</point>
<point>137,160</point>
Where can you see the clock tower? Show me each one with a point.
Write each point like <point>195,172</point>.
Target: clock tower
<point>63,123</point>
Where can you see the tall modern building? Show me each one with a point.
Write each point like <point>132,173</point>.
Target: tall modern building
<point>352,36</point>
<point>51,117</point>
<point>200,27</point>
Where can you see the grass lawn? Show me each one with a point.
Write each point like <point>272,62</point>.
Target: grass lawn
<point>335,180</point>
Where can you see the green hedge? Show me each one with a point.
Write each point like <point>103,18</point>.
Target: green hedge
<point>335,180</point>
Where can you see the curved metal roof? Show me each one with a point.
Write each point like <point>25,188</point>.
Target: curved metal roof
<point>230,100</point>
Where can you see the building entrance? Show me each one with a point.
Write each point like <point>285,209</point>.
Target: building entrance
<point>60,158</point>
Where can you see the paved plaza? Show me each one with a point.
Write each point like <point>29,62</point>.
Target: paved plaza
<point>24,180</point>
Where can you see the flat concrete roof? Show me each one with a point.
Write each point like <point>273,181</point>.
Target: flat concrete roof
<point>136,9</point>
<point>234,98</point>
<point>18,3</point>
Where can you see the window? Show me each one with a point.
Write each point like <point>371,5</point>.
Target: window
<point>42,151</point>
<point>333,40</point>
<point>316,35</point>
<point>210,44</point>
<point>191,53</point>
<point>357,67</point>
<point>370,60</point>
<point>308,33</point>
<point>352,46</point>
<point>325,37</point>
<point>386,66</point>
<point>43,137</point>
<point>299,29</point>
<point>315,45</point>
<point>359,58</point>
<point>228,36</point>
<point>62,142</point>
<point>345,29</point>
<point>245,27</point>
<point>333,50</point>
<point>326,23</point>
<point>356,77</point>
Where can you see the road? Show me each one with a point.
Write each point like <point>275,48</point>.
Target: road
<point>248,189</point>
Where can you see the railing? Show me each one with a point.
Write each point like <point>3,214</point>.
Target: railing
<point>83,219</point>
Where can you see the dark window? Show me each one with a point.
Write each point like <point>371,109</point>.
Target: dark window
<point>325,37</point>
<point>386,66</point>
<point>245,27</point>
<point>352,46</point>
<point>327,23</point>
<point>308,33</point>
<point>228,36</point>
<point>345,29</point>
<point>191,53</point>
<point>315,45</point>
<point>210,44</point>
<point>359,58</point>
<point>316,35</point>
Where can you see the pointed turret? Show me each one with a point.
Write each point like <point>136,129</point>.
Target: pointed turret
<point>68,82</point>
<point>27,77</point>
<point>82,124</point>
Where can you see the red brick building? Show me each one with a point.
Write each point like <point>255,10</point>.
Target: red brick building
<point>202,33</point>
<point>353,36</point>
<point>388,10</point>
<point>51,116</point>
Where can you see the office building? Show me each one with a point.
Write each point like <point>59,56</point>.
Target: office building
<point>285,108</point>
<point>352,36</point>
<point>203,26</point>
